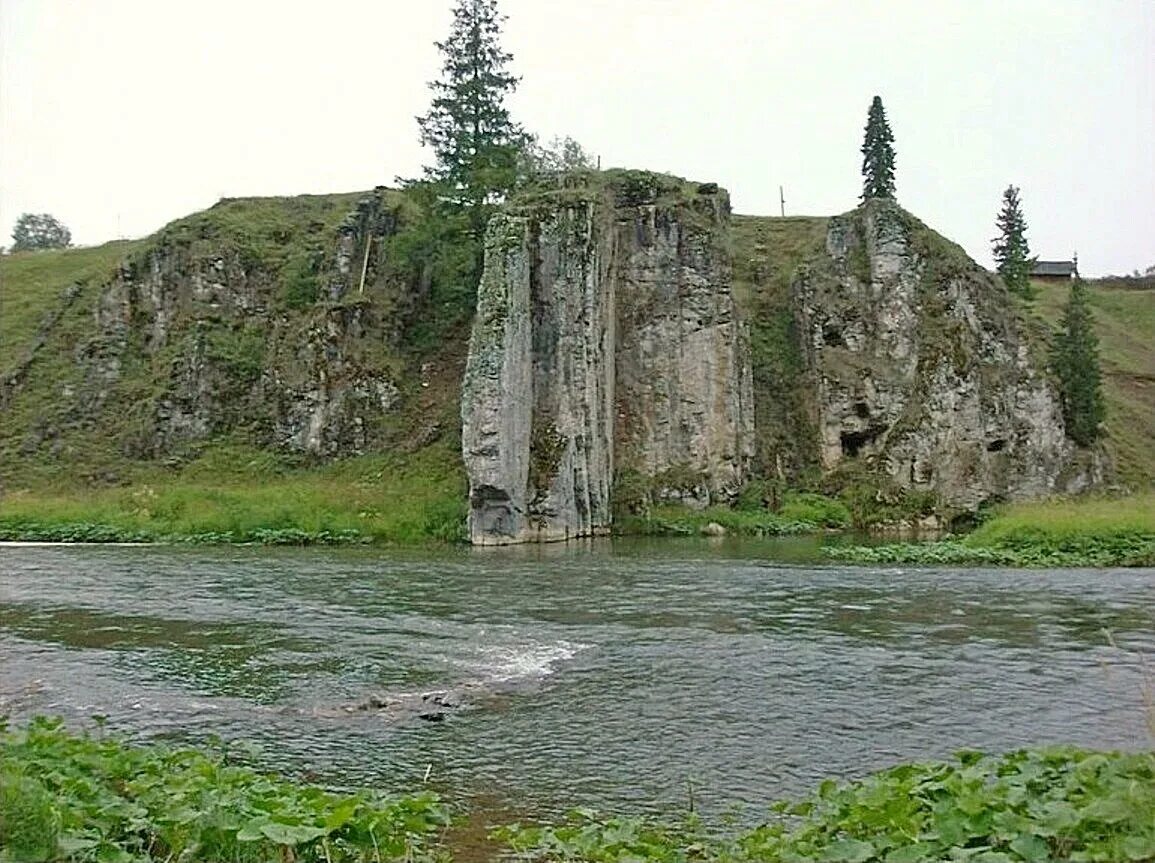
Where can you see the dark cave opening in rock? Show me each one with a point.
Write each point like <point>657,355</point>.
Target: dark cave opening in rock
<point>853,442</point>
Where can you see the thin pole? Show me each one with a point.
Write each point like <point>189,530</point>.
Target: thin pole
<point>365,263</point>
<point>782,200</point>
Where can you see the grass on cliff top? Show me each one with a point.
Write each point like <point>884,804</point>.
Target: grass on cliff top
<point>1125,324</point>
<point>32,286</point>
<point>245,495</point>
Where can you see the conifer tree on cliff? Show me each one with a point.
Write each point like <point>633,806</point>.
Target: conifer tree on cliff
<point>1011,251</point>
<point>468,126</point>
<point>877,155</point>
<point>1075,359</point>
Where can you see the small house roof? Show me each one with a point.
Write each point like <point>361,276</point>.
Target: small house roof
<point>1054,268</point>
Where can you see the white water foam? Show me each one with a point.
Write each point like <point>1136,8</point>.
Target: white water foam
<point>512,663</point>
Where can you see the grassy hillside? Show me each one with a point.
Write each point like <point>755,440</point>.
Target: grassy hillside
<point>1125,324</point>
<point>34,287</point>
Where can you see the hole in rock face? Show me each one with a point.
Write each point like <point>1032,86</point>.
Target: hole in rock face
<point>832,335</point>
<point>853,442</point>
<point>996,445</point>
<point>861,410</point>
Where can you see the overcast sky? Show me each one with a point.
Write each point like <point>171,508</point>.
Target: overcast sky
<point>118,116</point>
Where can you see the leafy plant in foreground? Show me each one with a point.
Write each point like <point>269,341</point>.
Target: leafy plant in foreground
<point>1027,806</point>
<point>73,797</point>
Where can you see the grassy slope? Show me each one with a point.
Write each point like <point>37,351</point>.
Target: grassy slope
<point>1125,324</point>
<point>31,286</point>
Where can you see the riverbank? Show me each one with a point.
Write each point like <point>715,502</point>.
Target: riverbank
<point>69,796</point>
<point>1093,532</point>
<point>240,499</point>
<point>241,495</point>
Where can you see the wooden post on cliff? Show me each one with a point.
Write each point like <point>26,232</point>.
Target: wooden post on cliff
<point>782,201</point>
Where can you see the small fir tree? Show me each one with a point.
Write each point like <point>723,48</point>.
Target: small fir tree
<point>475,143</point>
<point>1012,254</point>
<point>877,155</point>
<point>1075,360</point>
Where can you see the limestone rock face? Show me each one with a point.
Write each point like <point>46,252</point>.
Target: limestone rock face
<point>921,371</point>
<point>606,341</point>
<point>194,336</point>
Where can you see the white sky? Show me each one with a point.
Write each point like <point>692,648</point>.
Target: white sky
<point>117,116</point>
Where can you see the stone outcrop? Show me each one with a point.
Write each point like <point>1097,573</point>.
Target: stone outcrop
<point>198,335</point>
<point>606,344</point>
<point>921,372</point>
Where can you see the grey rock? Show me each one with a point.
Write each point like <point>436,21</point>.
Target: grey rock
<point>605,341</point>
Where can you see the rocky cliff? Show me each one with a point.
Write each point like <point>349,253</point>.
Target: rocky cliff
<point>634,343</point>
<point>916,371</point>
<point>606,344</point>
<point>270,321</point>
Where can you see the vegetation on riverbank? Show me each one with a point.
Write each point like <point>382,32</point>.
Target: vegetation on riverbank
<point>79,798</point>
<point>795,513</point>
<point>242,494</point>
<point>1028,805</point>
<point>75,797</point>
<point>1078,532</point>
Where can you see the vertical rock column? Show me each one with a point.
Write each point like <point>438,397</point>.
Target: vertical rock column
<point>606,340</point>
<point>685,417</point>
<point>497,394</point>
<point>571,440</point>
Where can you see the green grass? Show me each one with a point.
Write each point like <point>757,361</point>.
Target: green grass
<point>1125,325</point>
<point>1077,532</point>
<point>238,495</point>
<point>32,286</point>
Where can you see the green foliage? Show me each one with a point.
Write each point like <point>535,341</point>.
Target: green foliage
<point>1012,254</point>
<point>438,257</point>
<point>475,143</point>
<point>1027,806</point>
<point>300,283</point>
<point>815,508</point>
<point>1075,360</point>
<point>65,796</point>
<point>241,352</point>
<point>1088,532</point>
<point>38,231</point>
<point>560,155</point>
<point>244,496</point>
<point>877,154</point>
<point>676,520</point>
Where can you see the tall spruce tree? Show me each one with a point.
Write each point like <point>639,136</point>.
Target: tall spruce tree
<point>468,127</point>
<point>1075,360</point>
<point>877,154</point>
<point>1012,254</point>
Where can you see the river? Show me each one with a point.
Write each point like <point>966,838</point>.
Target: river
<point>627,675</point>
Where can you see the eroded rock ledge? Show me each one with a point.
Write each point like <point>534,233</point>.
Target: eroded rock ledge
<point>605,344</point>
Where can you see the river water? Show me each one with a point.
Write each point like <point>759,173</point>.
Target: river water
<point>625,675</point>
